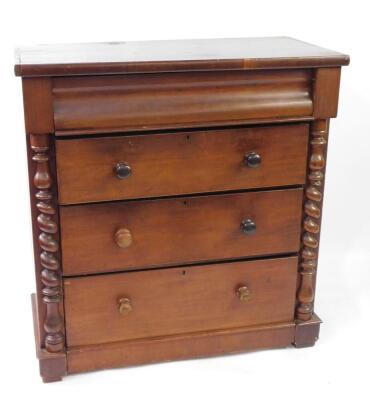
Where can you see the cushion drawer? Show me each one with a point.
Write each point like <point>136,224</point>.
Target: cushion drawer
<point>146,233</point>
<point>164,100</point>
<point>151,303</point>
<point>180,163</point>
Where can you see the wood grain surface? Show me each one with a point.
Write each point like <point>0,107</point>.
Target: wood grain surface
<point>180,230</point>
<point>158,101</point>
<point>179,300</point>
<point>172,55</point>
<point>180,347</point>
<point>180,163</point>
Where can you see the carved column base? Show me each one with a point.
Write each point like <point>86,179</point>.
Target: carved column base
<point>53,366</point>
<point>307,332</point>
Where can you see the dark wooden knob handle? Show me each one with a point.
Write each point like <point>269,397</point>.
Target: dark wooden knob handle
<point>122,170</point>
<point>123,238</point>
<point>124,305</point>
<point>252,160</point>
<point>243,293</point>
<point>248,226</point>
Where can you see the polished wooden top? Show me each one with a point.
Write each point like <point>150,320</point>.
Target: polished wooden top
<point>172,55</point>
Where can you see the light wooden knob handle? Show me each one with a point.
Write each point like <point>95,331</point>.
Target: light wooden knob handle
<point>243,293</point>
<point>123,238</point>
<point>124,306</point>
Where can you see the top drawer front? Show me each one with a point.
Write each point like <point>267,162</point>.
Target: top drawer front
<point>181,163</point>
<point>153,101</point>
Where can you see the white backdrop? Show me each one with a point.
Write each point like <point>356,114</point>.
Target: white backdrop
<point>338,364</point>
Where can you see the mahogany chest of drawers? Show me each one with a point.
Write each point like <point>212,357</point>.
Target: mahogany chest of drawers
<point>176,194</point>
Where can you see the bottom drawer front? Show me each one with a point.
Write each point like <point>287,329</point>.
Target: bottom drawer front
<point>131,305</point>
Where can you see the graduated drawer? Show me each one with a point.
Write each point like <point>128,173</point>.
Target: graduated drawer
<point>170,301</point>
<point>148,233</point>
<point>125,167</point>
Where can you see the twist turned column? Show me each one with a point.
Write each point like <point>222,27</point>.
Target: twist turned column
<point>312,219</point>
<point>48,245</point>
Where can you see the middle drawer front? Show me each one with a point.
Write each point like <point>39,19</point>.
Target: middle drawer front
<point>131,305</point>
<point>149,233</point>
<point>153,165</point>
